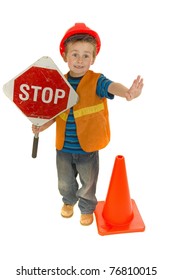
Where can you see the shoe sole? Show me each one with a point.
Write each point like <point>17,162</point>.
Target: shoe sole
<point>86,224</point>
<point>67,216</point>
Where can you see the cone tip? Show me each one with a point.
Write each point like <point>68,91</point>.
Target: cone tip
<point>120,157</point>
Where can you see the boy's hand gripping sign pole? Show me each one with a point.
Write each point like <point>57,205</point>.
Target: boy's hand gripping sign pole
<point>41,92</point>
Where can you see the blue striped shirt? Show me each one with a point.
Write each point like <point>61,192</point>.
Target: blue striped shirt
<point>71,143</point>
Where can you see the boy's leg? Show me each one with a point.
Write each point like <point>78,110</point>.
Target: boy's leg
<point>67,183</point>
<point>88,168</point>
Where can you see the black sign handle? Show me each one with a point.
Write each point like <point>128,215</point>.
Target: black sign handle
<point>35,145</point>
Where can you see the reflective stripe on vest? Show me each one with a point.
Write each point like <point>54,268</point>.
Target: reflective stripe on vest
<point>63,116</point>
<point>88,110</point>
<point>84,111</point>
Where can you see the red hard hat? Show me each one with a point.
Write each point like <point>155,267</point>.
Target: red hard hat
<point>79,28</point>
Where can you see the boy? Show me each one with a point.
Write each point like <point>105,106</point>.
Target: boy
<point>84,129</point>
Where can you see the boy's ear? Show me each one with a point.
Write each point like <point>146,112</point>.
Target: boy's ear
<point>93,60</point>
<point>64,57</point>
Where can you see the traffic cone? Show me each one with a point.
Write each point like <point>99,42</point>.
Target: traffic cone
<point>119,213</point>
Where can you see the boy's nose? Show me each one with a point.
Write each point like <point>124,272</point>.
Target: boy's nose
<point>80,60</point>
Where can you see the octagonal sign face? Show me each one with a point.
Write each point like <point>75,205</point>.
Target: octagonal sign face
<point>41,92</point>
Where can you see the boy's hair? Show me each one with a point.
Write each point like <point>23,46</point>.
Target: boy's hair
<point>83,38</point>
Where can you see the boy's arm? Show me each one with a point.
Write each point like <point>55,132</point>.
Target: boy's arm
<point>131,93</point>
<point>38,129</point>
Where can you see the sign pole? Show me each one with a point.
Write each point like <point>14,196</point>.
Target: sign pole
<point>35,145</point>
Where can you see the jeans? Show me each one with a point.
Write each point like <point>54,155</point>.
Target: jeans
<point>86,167</point>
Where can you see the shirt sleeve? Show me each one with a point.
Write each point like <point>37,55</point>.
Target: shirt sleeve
<point>102,87</point>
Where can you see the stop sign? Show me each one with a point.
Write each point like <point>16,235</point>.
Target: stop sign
<point>41,91</point>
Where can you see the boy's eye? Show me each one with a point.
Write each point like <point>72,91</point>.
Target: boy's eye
<point>76,55</point>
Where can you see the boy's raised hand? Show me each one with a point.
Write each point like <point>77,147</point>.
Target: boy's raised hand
<point>136,89</point>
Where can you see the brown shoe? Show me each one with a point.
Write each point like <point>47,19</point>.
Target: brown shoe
<point>86,219</point>
<point>67,210</point>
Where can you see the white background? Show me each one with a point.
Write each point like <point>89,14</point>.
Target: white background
<point>136,39</point>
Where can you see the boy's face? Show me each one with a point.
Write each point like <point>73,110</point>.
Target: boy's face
<point>79,56</point>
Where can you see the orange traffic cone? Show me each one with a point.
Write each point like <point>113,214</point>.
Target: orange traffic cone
<point>119,213</point>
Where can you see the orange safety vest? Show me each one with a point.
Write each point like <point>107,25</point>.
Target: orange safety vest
<point>91,117</point>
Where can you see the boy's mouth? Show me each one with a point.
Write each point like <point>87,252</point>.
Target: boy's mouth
<point>78,66</point>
